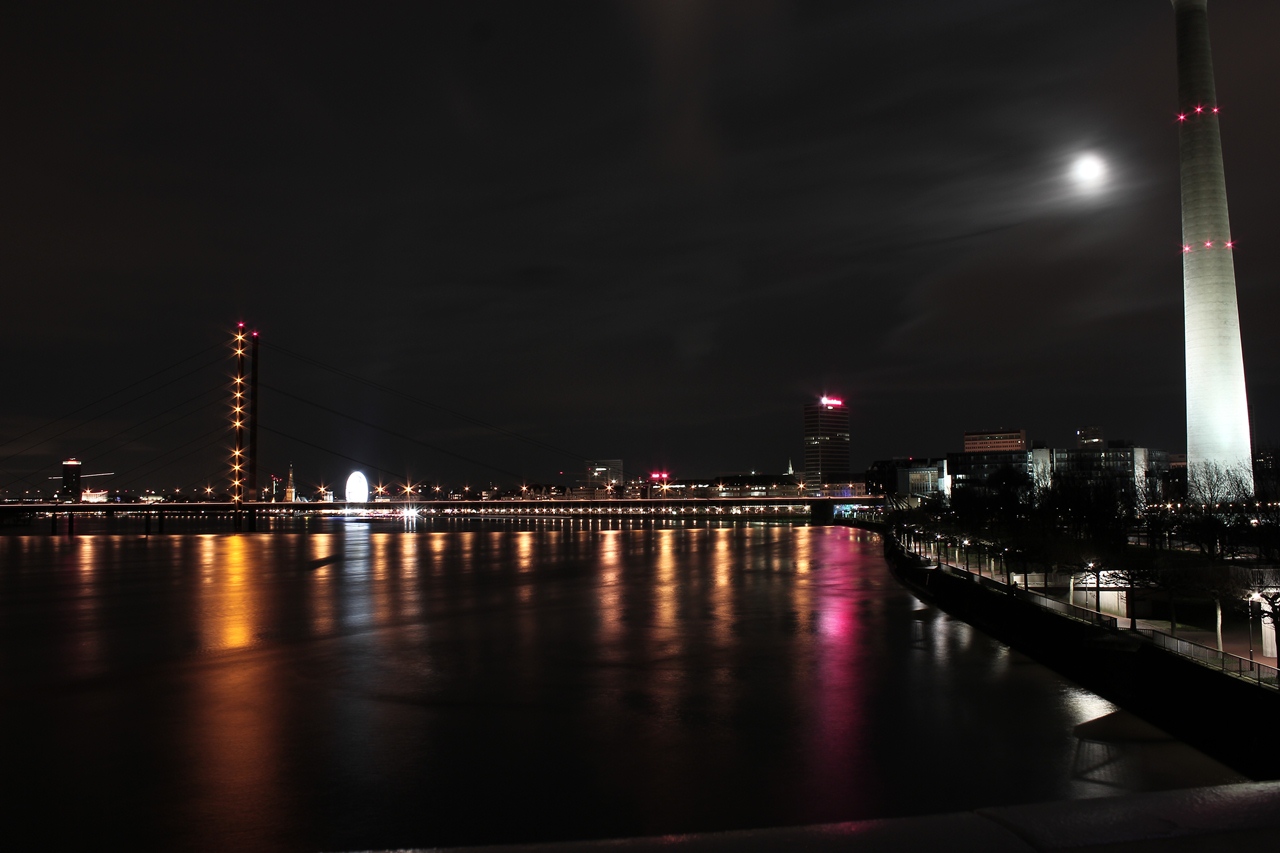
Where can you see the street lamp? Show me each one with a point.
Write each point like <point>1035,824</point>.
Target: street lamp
<point>1249,603</point>
<point>1097,588</point>
<point>966,556</point>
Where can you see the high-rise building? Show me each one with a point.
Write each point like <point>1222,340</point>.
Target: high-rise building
<point>826,441</point>
<point>995,440</point>
<point>1217,405</point>
<point>70,491</point>
<point>1089,437</point>
<point>290,494</point>
<point>605,474</point>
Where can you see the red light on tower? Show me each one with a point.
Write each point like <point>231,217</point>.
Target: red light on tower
<point>1208,244</point>
<point>831,402</point>
<point>1182,116</point>
<point>1199,109</point>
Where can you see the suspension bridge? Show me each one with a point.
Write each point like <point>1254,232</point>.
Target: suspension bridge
<point>240,498</point>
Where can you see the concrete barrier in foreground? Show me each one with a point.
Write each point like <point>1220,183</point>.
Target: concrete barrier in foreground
<point>1225,817</point>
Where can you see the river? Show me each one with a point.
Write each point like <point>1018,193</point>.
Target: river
<point>360,685</point>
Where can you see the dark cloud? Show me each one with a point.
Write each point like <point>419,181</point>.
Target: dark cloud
<point>636,229</point>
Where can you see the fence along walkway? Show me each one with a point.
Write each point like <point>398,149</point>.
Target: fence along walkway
<point>1234,665</point>
<point>1037,599</point>
<point>1225,662</point>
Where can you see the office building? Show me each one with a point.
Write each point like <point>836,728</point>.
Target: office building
<point>826,441</point>
<point>70,491</point>
<point>1089,437</point>
<point>995,440</point>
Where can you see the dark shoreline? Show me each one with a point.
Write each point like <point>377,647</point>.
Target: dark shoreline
<point>1224,717</point>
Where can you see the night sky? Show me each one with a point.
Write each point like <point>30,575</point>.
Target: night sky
<point>640,230</point>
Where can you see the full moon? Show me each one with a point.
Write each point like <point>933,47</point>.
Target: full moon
<point>1089,172</point>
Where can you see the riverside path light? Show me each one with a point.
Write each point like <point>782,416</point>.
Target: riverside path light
<point>1097,589</point>
<point>1249,603</point>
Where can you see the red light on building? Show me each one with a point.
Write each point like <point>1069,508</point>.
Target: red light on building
<point>832,401</point>
<point>658,475</point>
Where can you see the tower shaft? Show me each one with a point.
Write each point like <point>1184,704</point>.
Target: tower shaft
<point>1217,404</point>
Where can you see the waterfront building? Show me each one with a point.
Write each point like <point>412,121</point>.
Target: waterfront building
<point>923,480</point>
<point>978,468</point>
<point>754,486</point>
<point>1090,436</point>
<point>826,442</point>
<point>69,491</point>
<point>995,440</point>
<point>907,477</point>
<point>605,475</point>
<point>1137,470</point>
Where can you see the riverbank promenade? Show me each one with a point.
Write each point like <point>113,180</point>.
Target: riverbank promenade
<point>1242,645</point>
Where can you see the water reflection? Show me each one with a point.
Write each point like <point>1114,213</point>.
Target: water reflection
<point>352,686</point>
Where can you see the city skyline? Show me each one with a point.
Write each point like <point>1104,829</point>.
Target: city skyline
<point>627,264</point>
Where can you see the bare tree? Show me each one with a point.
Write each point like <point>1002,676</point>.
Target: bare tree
<point>1219,498</point>
<point>1264,585</point>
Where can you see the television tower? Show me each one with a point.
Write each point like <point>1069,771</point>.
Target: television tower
<point>1217,405</point>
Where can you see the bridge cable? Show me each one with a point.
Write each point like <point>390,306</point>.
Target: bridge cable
<point>39,484</point>
<point>200,408</point>
<point>365,463</point>
<point>108,411</point>
<point>436,406</point>
<point>153,461</point>
<point>399,435</point>
<point>104,398</point>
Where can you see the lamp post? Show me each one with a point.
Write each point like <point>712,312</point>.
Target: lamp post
<point>966,555</point>
<point>1097,588</point>
<point>1249,603</point>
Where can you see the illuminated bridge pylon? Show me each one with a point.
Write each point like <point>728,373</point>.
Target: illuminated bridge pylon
<point>244,417</point>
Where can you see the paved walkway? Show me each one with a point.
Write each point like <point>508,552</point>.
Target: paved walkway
<point>1235,632</point>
